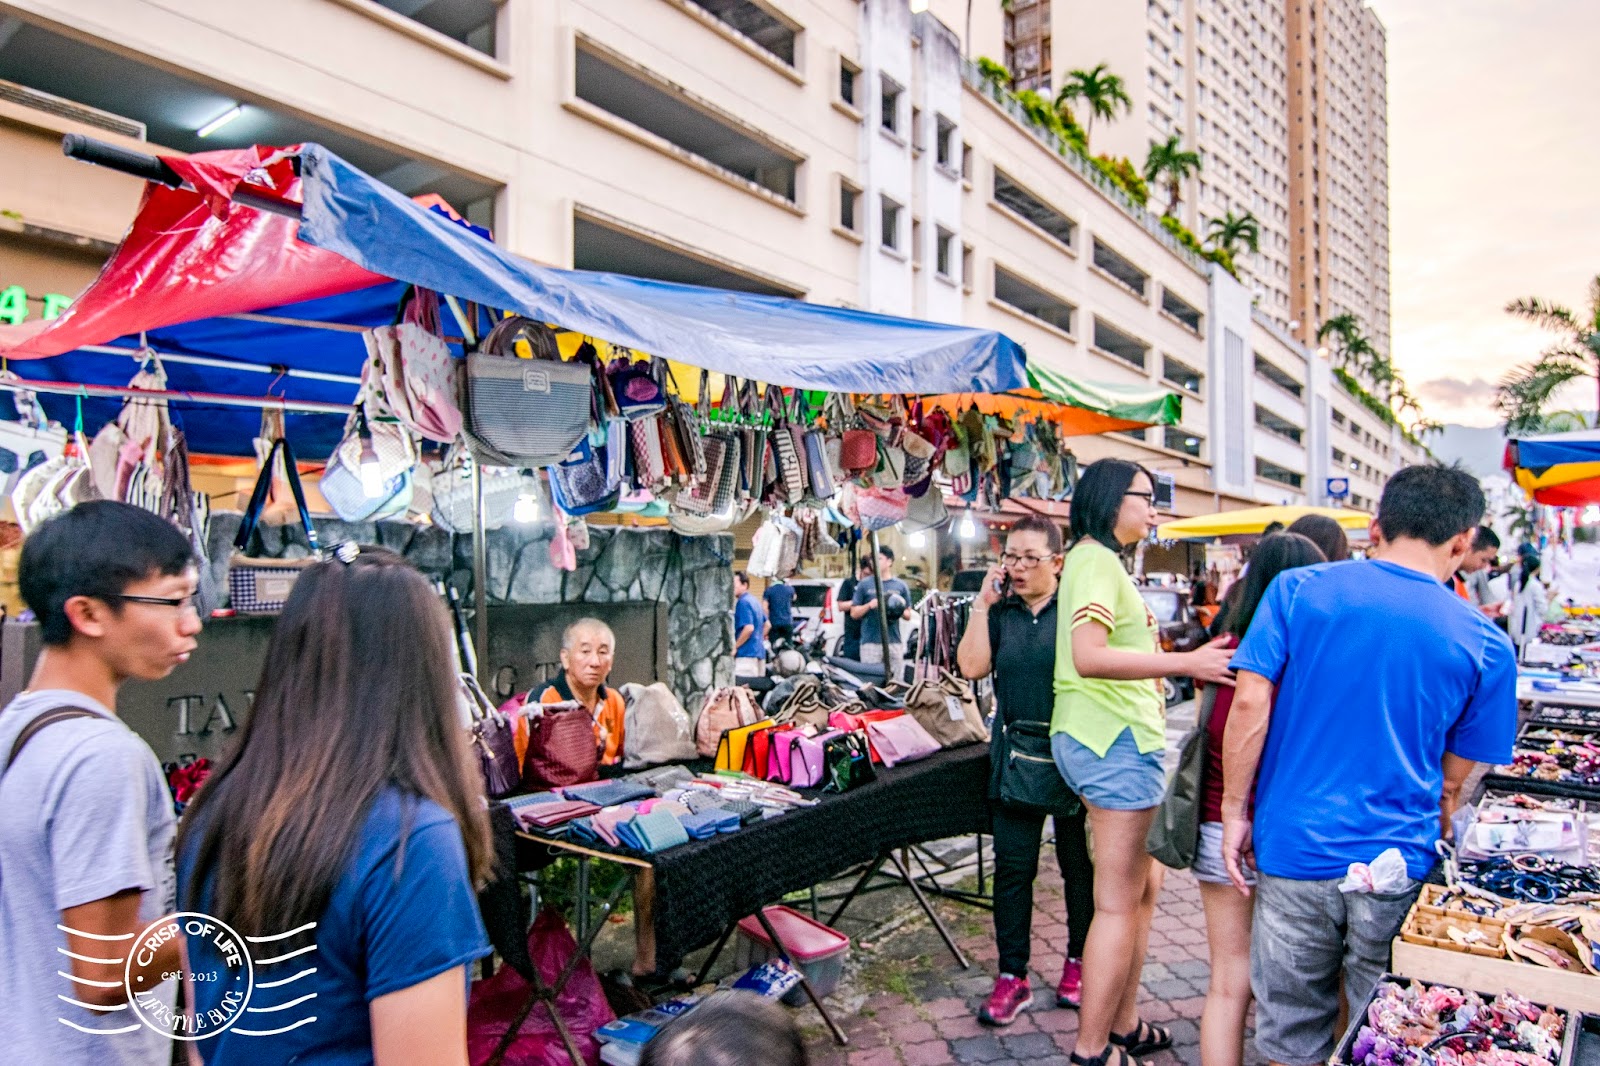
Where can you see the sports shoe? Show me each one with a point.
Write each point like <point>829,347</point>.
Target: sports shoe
<point>1069,993</point>
<point>1010,997</point>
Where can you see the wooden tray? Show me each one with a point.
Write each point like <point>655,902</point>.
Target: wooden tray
<point>1571,991</point>
<point>1429,919</point>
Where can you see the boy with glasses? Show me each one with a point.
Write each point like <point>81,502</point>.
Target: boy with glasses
<point>1012,634</point>
<point>86,822</point>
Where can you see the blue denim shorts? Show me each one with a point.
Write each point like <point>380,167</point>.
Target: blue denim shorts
<point>1124,780</point>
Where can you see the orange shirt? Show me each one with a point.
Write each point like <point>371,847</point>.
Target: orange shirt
<point>608,713</point>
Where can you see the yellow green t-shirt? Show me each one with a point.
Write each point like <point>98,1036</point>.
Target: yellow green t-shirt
<point>1094,711</point>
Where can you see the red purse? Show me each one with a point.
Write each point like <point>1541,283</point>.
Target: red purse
<point>561,746</point>
<point>758,753</point>
<point>858,450</point>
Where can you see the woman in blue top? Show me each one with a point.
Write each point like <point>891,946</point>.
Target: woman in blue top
<point>341,839</point>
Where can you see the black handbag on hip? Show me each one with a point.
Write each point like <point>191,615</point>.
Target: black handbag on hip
<point>1029,777</point>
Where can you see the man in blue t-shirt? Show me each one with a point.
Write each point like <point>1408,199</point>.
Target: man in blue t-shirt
<point>749,628</point>
<point>779,598</point>
<point>1389,688</point>
<point>864,606</point>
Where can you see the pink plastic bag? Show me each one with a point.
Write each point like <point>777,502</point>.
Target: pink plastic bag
<point>495,1004</point>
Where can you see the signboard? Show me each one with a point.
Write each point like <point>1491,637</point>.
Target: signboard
<point>1166,492</point>
<point>1338,488</point>
<point>14,305</point>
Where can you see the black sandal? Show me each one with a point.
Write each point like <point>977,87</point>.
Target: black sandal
<point>1146,1039</point>
<point>1104,1058</point>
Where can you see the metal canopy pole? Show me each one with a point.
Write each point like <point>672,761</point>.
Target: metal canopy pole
<point>480,576</point>
<point>152,168</point>
<point>213,399</point>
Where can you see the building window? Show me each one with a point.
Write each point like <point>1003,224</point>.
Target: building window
<point>750,20</point>
<point>966,267</point>
<point>472,22</point>
<point>1135,434</point>
<point>1182,440</point>
<point>1013,196</point>
<point>1181,374</point>
<point>1179,309</point>
<point>1120,268</point>
<point>1271,372</point>
<point>889,105</point>
<point>849,79</point>
<point>889,232</point>
<point>943,245</point>
<point>849,206</point>
<point>966,161</point>
<point>1278,426</point>
<point>1121,345</point>
<point>1013,291</point>
<point>916,242</point>
<point>1282,475</point>
<point>944,142</point>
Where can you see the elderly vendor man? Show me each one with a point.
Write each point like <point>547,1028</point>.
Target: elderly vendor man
<point>588,650</point>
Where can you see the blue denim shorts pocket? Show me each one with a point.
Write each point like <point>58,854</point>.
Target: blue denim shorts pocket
<point>1123,780</point>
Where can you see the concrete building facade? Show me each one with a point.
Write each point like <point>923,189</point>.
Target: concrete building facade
<point>842,151</point>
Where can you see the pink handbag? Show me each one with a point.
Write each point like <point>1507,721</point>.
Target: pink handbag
<point>807,762</point>
<point>416,371</point>
<point>880,508</point>
<point>901,739</point>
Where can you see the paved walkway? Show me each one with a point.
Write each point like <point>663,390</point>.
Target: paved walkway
<point>906,1002</point>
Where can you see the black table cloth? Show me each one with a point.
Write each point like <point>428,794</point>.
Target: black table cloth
<point>704,885</point>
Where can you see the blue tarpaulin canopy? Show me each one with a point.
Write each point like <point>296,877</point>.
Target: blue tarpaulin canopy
<point>190,267</point>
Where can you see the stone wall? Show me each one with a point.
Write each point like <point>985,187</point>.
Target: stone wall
<point>693,576</point>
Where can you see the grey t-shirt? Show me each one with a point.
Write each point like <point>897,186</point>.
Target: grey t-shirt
<point>84,814</point>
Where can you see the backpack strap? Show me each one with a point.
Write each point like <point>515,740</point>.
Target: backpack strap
<point>48,718</point>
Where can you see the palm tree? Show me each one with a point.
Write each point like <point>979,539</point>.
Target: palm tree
<point>1232,231</point>
<point>1527,390</point>
<point>1169,161</point>
<point>1101,92</point>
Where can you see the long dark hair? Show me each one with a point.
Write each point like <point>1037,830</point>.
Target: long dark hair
<point>1274,555</point>
<point>357,694</point>
<point>1530,567</point>
<point>1098,498</point>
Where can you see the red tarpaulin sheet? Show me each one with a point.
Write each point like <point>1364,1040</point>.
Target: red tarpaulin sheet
<point>190,255</point>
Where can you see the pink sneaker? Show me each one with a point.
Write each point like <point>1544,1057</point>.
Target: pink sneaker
<point>1010,997</point>
<point>1069,993</point>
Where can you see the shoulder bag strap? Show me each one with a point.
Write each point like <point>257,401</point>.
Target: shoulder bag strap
<point>1208,703</point>
<point>48,718</point>
<point>258,498</point>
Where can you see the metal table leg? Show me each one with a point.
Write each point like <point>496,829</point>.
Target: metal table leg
<point>855,890</point>
<point>581,911</point>
<point>927,909</point>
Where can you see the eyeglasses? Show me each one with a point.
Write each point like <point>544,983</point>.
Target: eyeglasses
<point>1147,496</point>
<point>190,602</point>
<point>1023,562</point>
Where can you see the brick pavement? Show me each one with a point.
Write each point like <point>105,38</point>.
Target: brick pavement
<point>905,1002</point>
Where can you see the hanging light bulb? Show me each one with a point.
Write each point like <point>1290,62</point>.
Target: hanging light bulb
<point>968,529</point>
<point>526,510</point>
<point>918,539</point>
<point>372,479</point>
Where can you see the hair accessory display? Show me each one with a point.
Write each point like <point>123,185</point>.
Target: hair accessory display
<point>1418,1025</point>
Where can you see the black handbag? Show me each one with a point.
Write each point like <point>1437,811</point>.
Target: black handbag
<point>846,762</point>
<point>1029,777</point>
<point>1175,834</point>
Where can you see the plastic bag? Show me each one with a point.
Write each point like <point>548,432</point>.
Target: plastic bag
<point>496,1002</point>
<point>1386,873</point>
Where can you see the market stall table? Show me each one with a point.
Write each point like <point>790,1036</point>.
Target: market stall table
<point>703,887</point>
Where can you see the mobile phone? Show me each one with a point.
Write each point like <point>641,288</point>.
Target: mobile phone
<point>1003,586</point>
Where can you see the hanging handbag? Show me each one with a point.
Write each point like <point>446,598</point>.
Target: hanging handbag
<point>524,412</point>
<point>858,450</point>
<point>262,586</point>
<point>638,391</point>
<point>587,481</point>
<point>561,746</point>
<point>880,508</point>
<point>139,423</point>
<point>948,710</point>
<point>1029,778</point>
<point>451,487</point>
<point>369,442</point>
<point>925,512</point>
<point>411,365</point>
<point>819,470</point>
<point>652,462</point>
<point>492,740</point>
<point>1175,834</point>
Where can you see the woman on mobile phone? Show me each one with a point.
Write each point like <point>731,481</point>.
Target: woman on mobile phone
<point>1012,634</point>
<point>1108,735</point>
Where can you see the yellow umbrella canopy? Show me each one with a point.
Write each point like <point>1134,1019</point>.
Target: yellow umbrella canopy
<point>1254,520</point>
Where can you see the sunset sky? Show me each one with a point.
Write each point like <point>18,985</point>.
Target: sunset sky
<point>1494,158</point>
